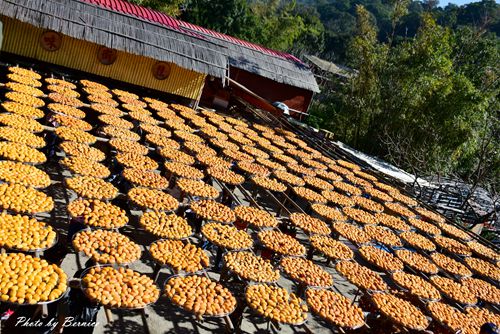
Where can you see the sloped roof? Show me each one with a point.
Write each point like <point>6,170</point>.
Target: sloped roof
<point>164,19</point>
<point>120,31</point>
<point>331,67</point>
<point>275,65</point>
<point>138,30</point>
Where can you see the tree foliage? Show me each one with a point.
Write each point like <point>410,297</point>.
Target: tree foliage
<point>428,104</point>
<point>225,16</point>
<point>339,19</point>
<point>322,27</point>
<point>276,24</point>
<point>170,7</point>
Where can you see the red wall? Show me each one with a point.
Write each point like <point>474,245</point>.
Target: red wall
<point>293,97</point>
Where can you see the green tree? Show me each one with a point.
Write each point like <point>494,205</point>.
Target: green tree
<point>429,104</point>
<point>430,107</point>
<point>170,7</point>
<point>476,55</point>
<point>226,16</point>
<point>311,39</point>
<point>367,55</point>
<point>276,24</point>
<point>339,20</point>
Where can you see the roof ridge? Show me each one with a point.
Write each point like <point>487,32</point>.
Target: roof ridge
<point>152,15</point>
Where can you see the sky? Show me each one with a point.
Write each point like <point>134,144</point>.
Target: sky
<point>443,3</point>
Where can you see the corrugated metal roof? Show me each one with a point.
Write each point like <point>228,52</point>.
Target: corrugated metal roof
<point>139,11</point>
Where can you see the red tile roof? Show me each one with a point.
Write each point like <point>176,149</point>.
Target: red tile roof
<point>185,27</point>
<point>138,11</point>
